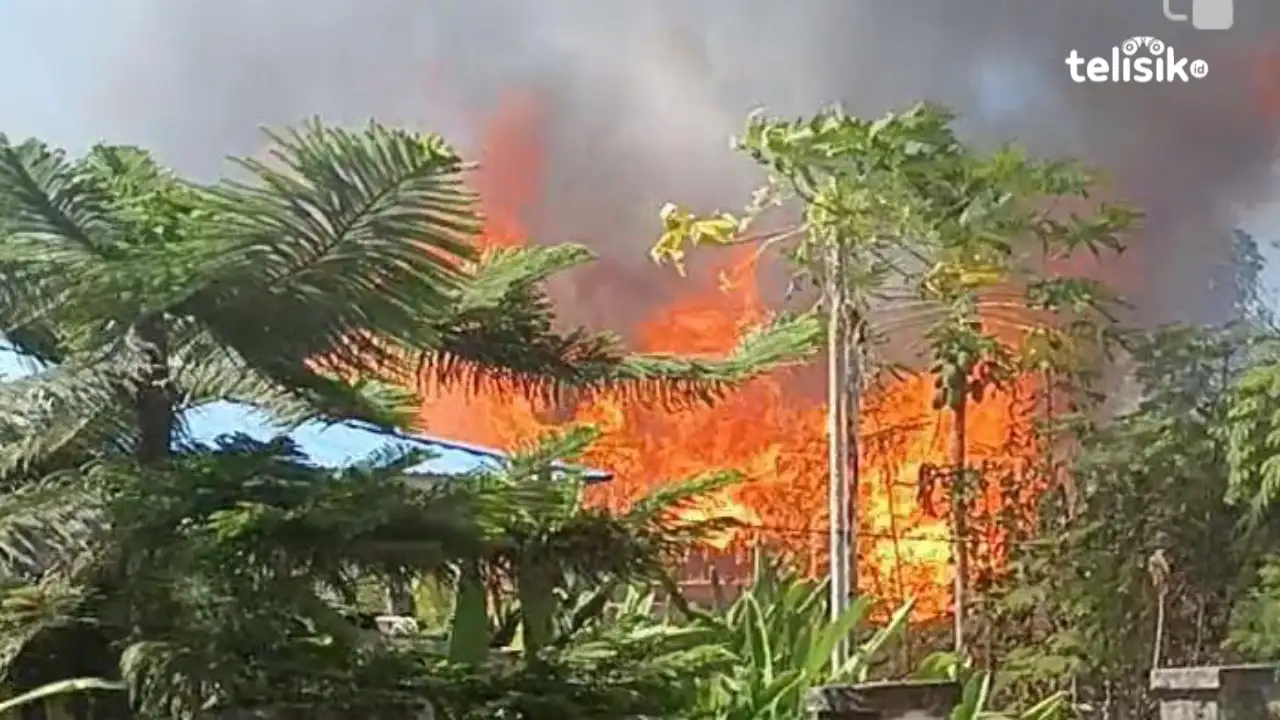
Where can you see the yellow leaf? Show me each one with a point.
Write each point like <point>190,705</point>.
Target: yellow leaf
<point>679,226</point>
<point>669,249</point>
<point>980,275</point>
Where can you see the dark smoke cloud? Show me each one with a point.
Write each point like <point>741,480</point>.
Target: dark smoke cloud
<point>642,96</point>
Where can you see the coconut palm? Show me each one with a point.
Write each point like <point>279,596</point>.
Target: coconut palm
<point>325,284</point>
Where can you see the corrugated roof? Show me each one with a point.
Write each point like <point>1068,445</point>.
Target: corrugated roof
<point>591,475</point>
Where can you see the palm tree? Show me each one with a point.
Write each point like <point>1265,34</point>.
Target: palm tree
<point>559,561</point>
<point>302,290</point>
<point>316,287</point>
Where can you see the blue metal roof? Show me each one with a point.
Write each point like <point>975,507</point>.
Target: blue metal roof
<point>590,475</point>
<point>342,443</point>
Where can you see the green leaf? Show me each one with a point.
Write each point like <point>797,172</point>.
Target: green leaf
<point>973,699</point>
<point>766,699</point>
<point>873,646</point>
<point>758,641</point>
<point>836,631</point>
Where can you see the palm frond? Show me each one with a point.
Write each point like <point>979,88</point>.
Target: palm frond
<point>384,406</point>
<point>45,223</point>
<point>205,371</point>
<point>514,345</point>
<point>550,452</point>
<point>64,409</point>
<point>52,207</point>
<point>786,341</point>
<point>262,501</point>
<point>504,271</point>
<point>670,496</point>
<point>350,235</point>
<point>32,611</point>
<point>46,525</point>
<point>82,241</point>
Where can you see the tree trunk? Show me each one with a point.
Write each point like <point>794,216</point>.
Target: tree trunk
<point>469,632</point>
<point>837,447</point>
<point>959,521</point>
<point>536,589</point>
<point>853,393</point>
<point>154,397</point>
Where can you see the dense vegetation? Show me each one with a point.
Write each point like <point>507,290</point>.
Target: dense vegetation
<point>147,574</point>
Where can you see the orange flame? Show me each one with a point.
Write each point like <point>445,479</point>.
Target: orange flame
<point>507,196</point>
<point>769,430</point>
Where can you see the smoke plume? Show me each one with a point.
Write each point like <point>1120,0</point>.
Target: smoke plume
<point>639,99</point>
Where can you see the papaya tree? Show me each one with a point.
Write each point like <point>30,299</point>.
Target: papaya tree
<point>856,184</point>
<point>995,303</point>
<point>911,233</point>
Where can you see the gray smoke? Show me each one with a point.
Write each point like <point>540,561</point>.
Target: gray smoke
<point>641,98</point>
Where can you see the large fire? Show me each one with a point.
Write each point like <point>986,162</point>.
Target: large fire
<point>769,430</point>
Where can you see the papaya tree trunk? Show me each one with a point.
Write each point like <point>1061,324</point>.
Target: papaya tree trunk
<point>959,520</point>
<point>839,542</point>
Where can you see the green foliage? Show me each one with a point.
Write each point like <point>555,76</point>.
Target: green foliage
<point>1153,475</point>
<point>550,547</point>
<point>978,689</point>
<point>861,183</point>
<point>615,659</point>
<point>1251,422</point>
<point>324,283</point>
<point>1255,619</point>
<point>174,579</point>
<point>934,233</point>
<point>781,636</point>
<point>1253,436</point>
<point>1152,478</point>
<point>237,551</point>
<point>952,252</point>
<point>308,286</point>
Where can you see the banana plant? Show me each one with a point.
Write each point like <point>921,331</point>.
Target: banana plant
<point>782,636</point>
